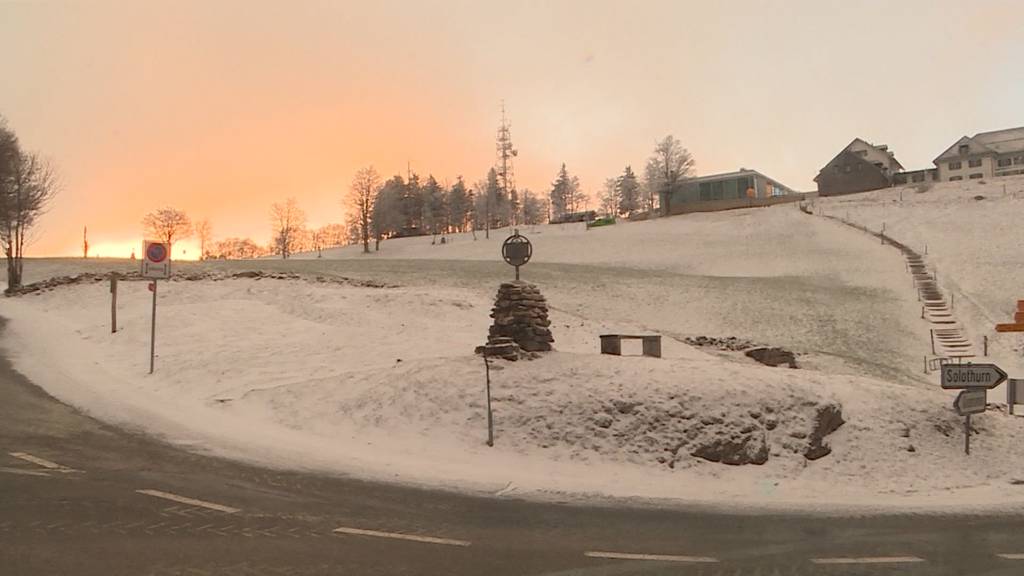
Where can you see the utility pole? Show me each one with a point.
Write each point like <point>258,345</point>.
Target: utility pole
<point>506,172</point>
<point>85,242</point>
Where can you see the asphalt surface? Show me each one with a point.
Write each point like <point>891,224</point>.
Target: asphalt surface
<point>87,517</point>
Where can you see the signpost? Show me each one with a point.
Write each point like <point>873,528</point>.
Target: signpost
<point>516,250</point>
<point>963,376</point>
<point>971,401</point>
<point>974,381</point>
<point>156,264</point>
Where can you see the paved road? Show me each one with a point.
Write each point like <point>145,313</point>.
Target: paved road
<point>79,497</point>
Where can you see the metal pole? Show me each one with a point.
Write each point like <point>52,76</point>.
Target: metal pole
<point>931,333</point>
<point>490,420</point>
<point>1011,397</point>
<point>113,303</point>
<point>517,273</point>
<point>967,435</point>
<point>986,345</point>
<point>152,332</point>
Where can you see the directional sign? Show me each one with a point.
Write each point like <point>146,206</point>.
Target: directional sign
<point>971,401</point>
<point>156,261</point>
<point>958,376</point>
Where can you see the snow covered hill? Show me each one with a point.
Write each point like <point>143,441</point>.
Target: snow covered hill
<point>382,382</point>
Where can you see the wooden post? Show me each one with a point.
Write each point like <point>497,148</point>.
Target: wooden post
<point>113,303</point>
<point>931,333</point>
<point>986,346</point>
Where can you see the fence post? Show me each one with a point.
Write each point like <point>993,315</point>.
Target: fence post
<point>113,303</point>
<point>986,344</point>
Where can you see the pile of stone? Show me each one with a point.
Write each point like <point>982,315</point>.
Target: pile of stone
<point>520,315</point>
<point>729,343</point>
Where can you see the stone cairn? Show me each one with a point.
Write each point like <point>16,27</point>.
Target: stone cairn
<point>520,322</point>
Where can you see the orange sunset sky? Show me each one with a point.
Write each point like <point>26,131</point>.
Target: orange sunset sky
<point>222,108</point>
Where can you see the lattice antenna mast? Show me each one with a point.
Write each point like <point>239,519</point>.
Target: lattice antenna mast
<point>505,169</point>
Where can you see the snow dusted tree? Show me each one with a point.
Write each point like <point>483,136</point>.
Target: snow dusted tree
<point>565,195</point>
<point>412,206</point>
<point>534,210</point>
<point>387,218</point>
<point>435,207</point>
<point>610,197</point>
<point>666,169</point>
<point>204,231</point>
<point>559,193</point>
<point>236,248</point>
<point>365,185</point>
<point>27,184</point>
<point>168,225</point>
<point>459,205</point>
<point>497,203</point>
<point>627,189</point>
<point>288,222</point>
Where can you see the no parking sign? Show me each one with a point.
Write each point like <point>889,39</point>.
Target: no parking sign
<point>156,260</point>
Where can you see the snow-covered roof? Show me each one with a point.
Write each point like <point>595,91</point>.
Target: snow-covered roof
<point>1002,141</point>
<point>986,143</point>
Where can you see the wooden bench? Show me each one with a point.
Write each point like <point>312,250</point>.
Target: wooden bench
<point>612,344</point>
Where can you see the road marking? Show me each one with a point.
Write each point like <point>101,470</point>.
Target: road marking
<point>25,472</point>
<point>868,560</point>
<point>1011,556</point>
<point>654,557</point>
<point>189,501</point>
<point>41,462</point>
<point>398,536</point>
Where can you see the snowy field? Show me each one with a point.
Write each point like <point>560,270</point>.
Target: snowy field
<point>381,382</point>
<point>973,234</point>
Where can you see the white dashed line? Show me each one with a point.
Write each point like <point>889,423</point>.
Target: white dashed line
<point>21,472</point>
<point>397,536</point>
<point>1011,556</point>
<point>868,560</point>
<point>189,501</point>
<point>650,557</point>
<point>42,462</point>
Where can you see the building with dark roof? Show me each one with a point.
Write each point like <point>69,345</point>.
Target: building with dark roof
<point>740,189</point>
<point>858,167</point>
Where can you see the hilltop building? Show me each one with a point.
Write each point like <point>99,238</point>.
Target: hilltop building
<point>984,155</point>
<point>741,189</point>
<point>858,167</point>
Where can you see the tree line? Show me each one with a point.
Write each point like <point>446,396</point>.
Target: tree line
<point>408,205</point>
<point>412,205</point>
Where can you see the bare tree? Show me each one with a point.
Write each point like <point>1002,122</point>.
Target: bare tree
<point>167,225</point>
<point>666,169</point>
<point>364,188</point>
<point>27,184</point>
<point>205,233</point>
<point>288,221</point>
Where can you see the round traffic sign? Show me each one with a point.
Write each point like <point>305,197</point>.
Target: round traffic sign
<point>156,253</point>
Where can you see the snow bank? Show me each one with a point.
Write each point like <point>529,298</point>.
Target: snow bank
<point>380,382</point>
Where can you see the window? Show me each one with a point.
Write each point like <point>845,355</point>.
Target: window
<point>861,153</point>
<point>1018,159</point>
<point>847,169</point>
<point>975,176</point>
<point>964,148</point>
<point>1004,162</point>
<point>955,178</point>
<point>954,166</point>
<point>918,178</point>
<point>974,163</point>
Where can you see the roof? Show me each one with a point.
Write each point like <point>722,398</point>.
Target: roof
<point>737,173</point>
<point>1002,141</point>
<point>986,143</point>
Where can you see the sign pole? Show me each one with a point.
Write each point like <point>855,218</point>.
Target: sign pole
<point>967,435</point>
<point>113,303</point>
<point>152,332</point>
<point>490,420</point>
